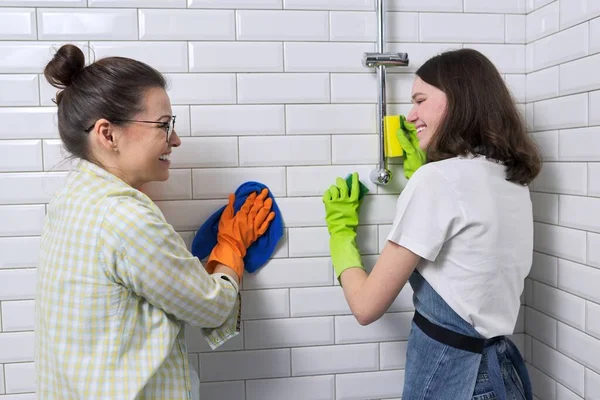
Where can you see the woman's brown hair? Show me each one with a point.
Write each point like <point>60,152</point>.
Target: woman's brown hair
<point>112,88</point>
<point>481,116</point>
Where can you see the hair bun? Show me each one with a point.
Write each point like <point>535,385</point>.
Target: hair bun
<point>64,66</point>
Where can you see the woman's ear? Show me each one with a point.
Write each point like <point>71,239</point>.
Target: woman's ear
<point>105,135</point>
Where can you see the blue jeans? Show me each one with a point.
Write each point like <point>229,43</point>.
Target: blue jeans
<point>512,384</point>
<point>436,371</point>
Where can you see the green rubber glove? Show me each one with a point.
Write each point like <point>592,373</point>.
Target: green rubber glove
<point>414,157</point>
<point>342,205</point>
<point>363,189</point>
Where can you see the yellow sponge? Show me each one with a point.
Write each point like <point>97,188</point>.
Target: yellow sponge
<point>391,125</point>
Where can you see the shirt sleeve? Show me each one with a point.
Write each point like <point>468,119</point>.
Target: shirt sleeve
<point>152,261</point>
<point>427,213</point>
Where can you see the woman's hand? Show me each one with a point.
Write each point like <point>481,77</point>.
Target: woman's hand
<point>237,231</point>
<point>414,157</point>
<point>342,206</point>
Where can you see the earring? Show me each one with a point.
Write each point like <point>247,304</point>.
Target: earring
<point>115,148</point>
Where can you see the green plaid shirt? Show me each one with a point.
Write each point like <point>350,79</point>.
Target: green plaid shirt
<point>115,285</point>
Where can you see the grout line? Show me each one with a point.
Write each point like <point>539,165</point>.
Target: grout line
<point>524,307</point>
<point>236,76</point>
<point>329,24</point>
<point>330,84</point>
<point>569,389</point>
<point>243,333</point>
<point>290,350</point>
<point>587,235</point>
<point>334,386</point>
<point>37,24</point>
<point>289,290</point>
<point>39,87</point>
<point>189,51</point>
<point>585,313</point>
<point>285,184</point>
<point>525,33</point>
<point>192,181</point>
<point>42,141</point>
<point>283,55</point>
<point>290,10</point>
<point>331,150</point>
<point>560,31</point>
<point>565,291</point>
<point>542,372</point>
<point>137,25</point>
<point>245,388</point>
<point>4,377</point>
<point>285,109</point>
<point>419,25</point>
<point>235,25</point>
<point>505,29</point>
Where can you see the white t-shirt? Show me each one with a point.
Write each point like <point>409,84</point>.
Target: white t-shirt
<point>474,232</point>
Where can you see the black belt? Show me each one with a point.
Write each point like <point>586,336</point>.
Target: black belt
<point>450,338</point>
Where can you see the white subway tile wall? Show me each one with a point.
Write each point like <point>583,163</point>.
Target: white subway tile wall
<point>274,91</point>
<point>563,308</point>
<point>516,26</point>
<point>542,22</point>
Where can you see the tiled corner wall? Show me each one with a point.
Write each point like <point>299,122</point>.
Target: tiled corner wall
<point>268,90</point>
<point>563,294</point>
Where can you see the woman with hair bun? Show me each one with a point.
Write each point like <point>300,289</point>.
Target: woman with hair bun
<point>115,282</point>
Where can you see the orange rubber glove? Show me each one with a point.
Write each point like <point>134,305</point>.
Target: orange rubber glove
<point>237,232</point>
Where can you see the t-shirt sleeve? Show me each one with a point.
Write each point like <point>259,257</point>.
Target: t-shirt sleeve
<point>428,213</point>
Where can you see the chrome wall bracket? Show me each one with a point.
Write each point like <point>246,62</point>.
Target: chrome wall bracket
<point>381,60</point>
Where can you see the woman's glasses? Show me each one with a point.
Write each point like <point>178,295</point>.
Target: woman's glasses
<point>167,126</point>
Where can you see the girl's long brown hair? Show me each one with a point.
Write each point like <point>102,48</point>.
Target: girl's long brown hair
<point>481,116</point>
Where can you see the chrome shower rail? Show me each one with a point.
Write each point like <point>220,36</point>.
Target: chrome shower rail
<point>382,60</point>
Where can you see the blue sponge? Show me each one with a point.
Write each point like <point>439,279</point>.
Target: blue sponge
<point>260,251</point>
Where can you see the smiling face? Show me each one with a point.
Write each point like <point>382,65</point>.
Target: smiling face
<point>136,150</point>
<point>144,150</point>
<point>427,113</point>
